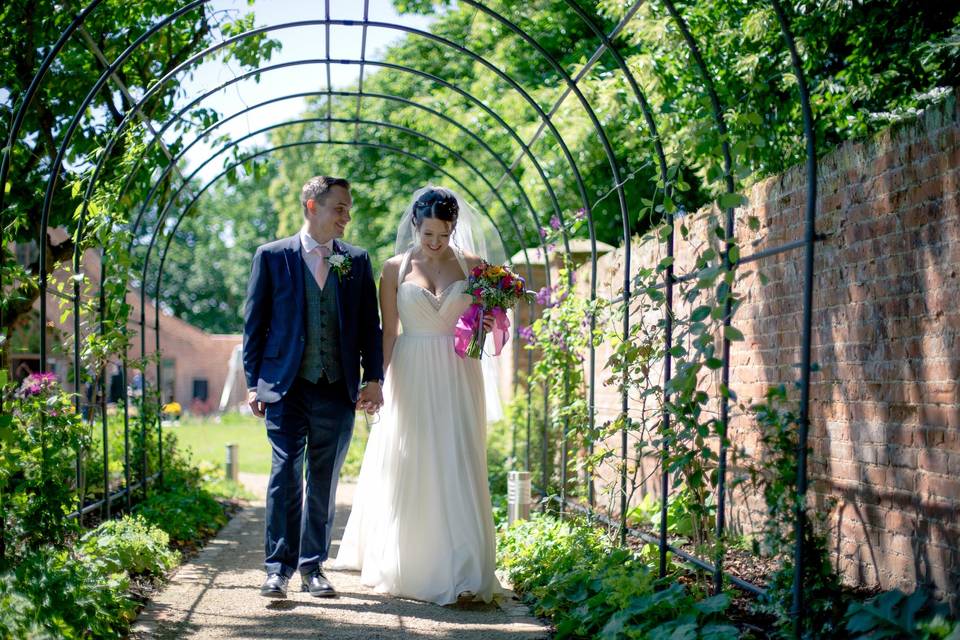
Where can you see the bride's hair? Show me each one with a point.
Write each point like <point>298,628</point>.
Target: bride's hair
<point>438,203</point>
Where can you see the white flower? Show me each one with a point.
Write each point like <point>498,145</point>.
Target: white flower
<point>340,263</point>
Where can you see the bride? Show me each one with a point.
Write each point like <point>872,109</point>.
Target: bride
<point>421,525</point>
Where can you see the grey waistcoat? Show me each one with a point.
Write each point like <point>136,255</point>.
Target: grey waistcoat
<point>321,349</point>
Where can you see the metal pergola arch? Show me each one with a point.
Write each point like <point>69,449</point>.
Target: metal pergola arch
<point>161,218</point>
<point>395,67</point>
<point>328,93</point>
<point>809,234</point>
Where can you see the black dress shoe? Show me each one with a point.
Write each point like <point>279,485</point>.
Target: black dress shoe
<point>318,585</point>
<point>275,586</point>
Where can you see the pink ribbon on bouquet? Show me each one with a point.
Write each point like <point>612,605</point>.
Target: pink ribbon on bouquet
<point>469,322</point>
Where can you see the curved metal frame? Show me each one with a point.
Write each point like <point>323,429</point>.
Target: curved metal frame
<point>721,123</point>
<point>810,236</point>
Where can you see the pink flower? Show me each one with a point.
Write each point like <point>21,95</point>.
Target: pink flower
<point>37,383</point>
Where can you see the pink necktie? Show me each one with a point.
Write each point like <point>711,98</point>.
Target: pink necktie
<point>323,268</point>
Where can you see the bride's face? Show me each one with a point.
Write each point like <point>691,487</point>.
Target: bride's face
<point>435,236</point>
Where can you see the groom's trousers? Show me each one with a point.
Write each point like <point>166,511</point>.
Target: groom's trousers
<point>312,420</point>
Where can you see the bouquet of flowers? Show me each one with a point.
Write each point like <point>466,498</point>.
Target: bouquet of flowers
<point>494,289</point>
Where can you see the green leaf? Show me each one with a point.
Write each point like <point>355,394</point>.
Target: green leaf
<point>731,200</point>
<point>715,604</point>
<point>732,334</point>
<point>719,632</point>
<point>700,313</point>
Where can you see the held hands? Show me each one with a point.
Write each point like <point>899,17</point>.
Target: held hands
<point>370,398</point>
<point>256,406</point>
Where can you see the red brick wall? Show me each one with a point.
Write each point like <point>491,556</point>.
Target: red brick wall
<point>885,409</point>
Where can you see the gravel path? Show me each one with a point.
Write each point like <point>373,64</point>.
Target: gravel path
<point>216,595</point>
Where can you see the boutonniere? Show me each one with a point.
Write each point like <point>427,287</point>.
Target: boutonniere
<point>341,264</point>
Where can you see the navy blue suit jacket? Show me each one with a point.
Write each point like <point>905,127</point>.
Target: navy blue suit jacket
<point>275,319</point>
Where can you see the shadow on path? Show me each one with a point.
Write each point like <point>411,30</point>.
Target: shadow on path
<point>216,595</point>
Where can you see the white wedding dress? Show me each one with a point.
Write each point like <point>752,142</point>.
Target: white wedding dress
<point>421,525</point>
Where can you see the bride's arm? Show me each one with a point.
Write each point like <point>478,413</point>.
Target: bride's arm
<point>388,308</point>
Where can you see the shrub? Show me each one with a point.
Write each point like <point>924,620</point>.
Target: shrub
<point>131,545</point>
<point>185,511</point>
<point>67,596</point>
<point>17,613</point>
<point>93,460</point>
<point>590,588</point>
<point>895,614</point>
<point>38,448</point>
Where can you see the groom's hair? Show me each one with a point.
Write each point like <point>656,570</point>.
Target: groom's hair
<point>318,187</point>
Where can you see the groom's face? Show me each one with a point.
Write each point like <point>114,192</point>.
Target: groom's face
<point>327,217</point>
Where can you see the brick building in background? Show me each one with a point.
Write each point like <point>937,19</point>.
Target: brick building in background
<point>196,365</point>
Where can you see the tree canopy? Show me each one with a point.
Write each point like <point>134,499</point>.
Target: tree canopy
<point>867,63</point>
<point>28,29</point>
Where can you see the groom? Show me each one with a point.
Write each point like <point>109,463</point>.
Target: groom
<point>310,320</point>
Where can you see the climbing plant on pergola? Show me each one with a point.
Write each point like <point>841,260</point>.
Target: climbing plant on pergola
<point>508,223</point>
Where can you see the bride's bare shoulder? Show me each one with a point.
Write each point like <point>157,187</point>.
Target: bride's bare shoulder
<point>471,259</point>
<point>392,267</point>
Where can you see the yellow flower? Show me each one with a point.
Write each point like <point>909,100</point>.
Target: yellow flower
<point>495,272</point>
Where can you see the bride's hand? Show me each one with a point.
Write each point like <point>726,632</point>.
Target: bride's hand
<point>488,321</point>
<point>370,398</point>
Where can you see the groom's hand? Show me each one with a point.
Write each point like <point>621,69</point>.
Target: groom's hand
<point>370,398</point>
<point>256,406</point>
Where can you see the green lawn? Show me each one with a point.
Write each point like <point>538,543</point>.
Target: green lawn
<point>207,439</point>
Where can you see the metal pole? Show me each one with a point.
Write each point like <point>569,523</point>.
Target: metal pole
<point>665,417</point>
<point>126,431</point>
<point>810,232</point>
<point>159,393</point>
<point>546,435</point>
<point>718,117</point>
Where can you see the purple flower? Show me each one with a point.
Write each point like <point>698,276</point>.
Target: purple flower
<point>543,233</point>
<point>555,223</point>
<point>581,213</point>
<point>37,383</point>
<point>526,333</point>
<point>543,297</point>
